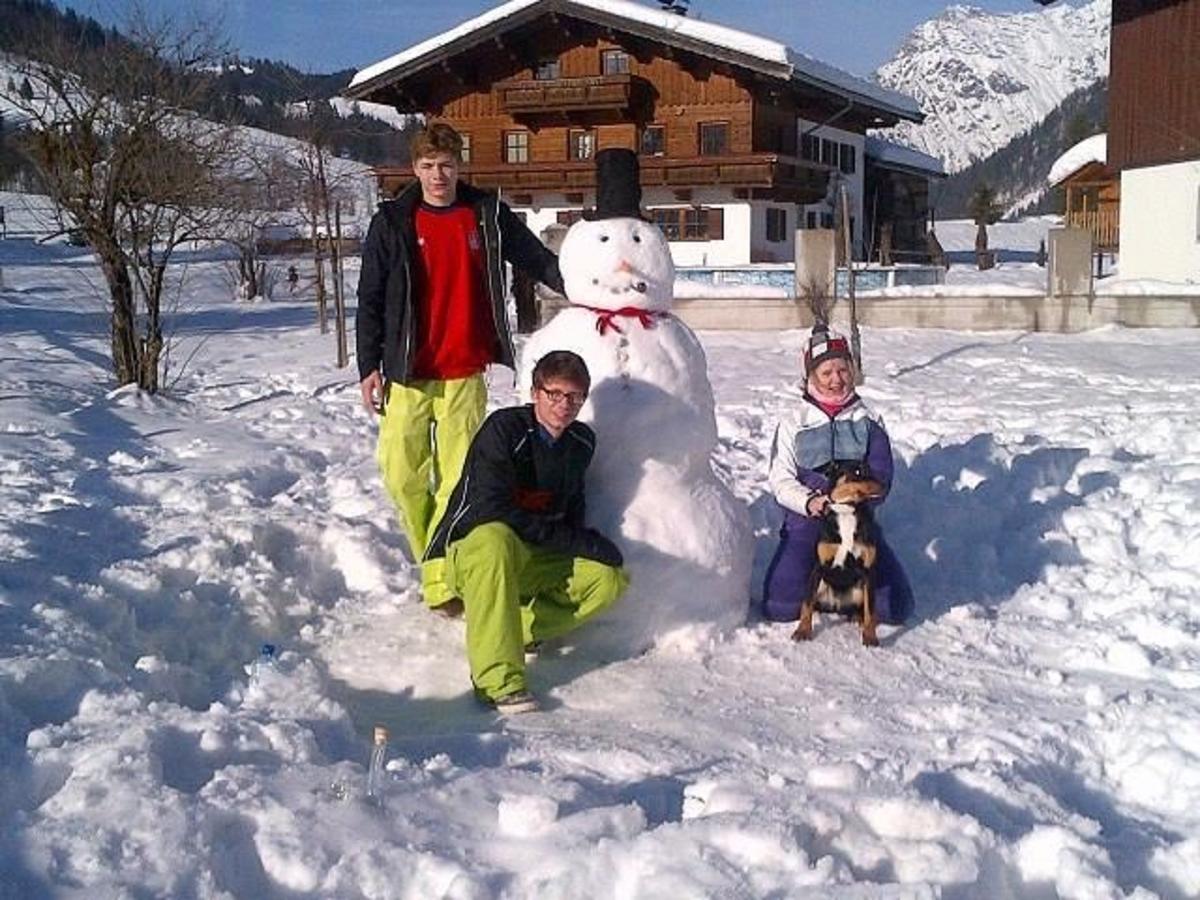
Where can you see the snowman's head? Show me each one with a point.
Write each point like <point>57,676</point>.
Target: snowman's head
<point>617,262</point>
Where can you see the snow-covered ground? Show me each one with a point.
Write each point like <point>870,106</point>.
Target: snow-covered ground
<point>1034,732</point>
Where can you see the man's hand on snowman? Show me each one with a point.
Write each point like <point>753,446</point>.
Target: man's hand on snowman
<point>371,389</point>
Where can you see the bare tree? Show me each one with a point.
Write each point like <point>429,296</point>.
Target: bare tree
<point>119,149</point>
<point>321,186</point>
<point>259,196</point>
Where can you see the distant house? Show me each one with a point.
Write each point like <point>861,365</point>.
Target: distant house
<point>1092,190</point>
<point>897,183</point>
<point>742,139</point>
<point>1154,136</point>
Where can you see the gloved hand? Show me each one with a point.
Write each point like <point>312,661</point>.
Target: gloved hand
<point>591,544</point>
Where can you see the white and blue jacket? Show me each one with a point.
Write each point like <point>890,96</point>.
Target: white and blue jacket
<point>807,441</point>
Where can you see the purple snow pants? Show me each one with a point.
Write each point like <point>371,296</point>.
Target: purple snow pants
<point>790,570</point>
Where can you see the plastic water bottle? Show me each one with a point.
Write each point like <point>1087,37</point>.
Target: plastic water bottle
<point>264,663</point>
<point>375,771</point>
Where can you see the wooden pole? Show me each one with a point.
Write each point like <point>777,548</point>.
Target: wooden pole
<point>339,297</point>
<point>855,337</point>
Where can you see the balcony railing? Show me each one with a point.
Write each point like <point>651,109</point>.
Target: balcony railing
<point>1103,223</point>
<point>772,175</point>
<point>566,95</point>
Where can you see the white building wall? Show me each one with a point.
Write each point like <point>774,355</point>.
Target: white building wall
<point>763,249</point>
<point>1160,222</point>
<point>732,250</point>
<point>853,181</point>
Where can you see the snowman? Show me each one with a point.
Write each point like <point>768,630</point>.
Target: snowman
<point>686,539</point>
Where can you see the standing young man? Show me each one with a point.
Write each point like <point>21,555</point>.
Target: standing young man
<point>516,547</point>
<point>431,317</point>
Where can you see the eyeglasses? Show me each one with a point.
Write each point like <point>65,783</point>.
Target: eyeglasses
<point>573,398</point>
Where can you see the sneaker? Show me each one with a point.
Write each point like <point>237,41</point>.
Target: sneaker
<point>514,703</point>
<point>451,609</point>
<point>533,650</point>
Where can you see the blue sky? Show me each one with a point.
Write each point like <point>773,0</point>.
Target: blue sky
<point>325,35</point>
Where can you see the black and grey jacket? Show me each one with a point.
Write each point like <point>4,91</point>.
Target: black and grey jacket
<point>513,475</point>
<point>385,324</point>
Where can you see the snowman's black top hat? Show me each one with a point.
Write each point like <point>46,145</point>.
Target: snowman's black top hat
<point>618,190</point>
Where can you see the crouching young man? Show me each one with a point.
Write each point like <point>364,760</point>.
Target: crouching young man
<point>515,544</point>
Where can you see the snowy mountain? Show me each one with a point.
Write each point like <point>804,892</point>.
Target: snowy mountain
<point>983,79</point>
<point>1018,170</point>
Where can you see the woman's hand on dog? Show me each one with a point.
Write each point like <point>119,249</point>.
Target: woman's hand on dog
<point>817,504</point>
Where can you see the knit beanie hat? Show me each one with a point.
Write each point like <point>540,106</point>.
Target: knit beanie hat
<point>824,344</point>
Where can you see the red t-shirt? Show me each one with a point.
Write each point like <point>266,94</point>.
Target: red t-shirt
<point>455,331</point>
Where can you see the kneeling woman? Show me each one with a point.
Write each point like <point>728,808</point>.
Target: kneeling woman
<point>832,425</point>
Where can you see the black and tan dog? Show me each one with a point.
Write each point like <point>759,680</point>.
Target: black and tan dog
<point>842,581</point>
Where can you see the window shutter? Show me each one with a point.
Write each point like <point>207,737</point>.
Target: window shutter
<point>716,223</point>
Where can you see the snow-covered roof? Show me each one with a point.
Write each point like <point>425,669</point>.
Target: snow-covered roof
<point>718,41</point>
<point>896,155</point>
<point>1089,150</point>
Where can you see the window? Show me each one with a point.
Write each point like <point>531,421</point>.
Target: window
<point>829,152</point>
<point>695,223</point>
<point>776,224</point>
<point>466,147</point>
<point>810,147</point>
<point>516,146</point>
<point>581,144</point>
<point>568,217</point>
<point>667,221</point>
<point>690,223</point>
<point>654,140</point>
<point>714,138</point>
<point>849,159</point>
<point>827,220</point>
<point>810,219</point>
<point>614,62</point>
<point>546,69</point>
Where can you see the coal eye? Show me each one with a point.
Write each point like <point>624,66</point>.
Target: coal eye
<point>603,238</point>
<point>637,238</point>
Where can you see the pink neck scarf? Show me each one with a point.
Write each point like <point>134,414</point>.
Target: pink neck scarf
<point>832,404</point>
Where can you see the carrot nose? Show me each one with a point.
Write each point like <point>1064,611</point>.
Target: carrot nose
<point>624,266</point>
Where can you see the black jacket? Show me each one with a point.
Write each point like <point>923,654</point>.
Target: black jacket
<point>513,475</point>
<point>385,324</point>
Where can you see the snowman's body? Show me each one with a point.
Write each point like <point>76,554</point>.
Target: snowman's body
<point>685,537</point>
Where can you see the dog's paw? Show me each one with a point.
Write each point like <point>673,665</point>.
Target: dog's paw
<point>870,639</point>
<point>802,634</point>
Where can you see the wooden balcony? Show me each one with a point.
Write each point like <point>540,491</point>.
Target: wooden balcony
<point>759,175</point>
<point>1104,224</point>
<point>565,96</point>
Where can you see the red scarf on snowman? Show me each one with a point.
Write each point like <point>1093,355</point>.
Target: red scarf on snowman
<point>605,317</point>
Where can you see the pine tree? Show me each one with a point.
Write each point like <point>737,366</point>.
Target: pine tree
<point>985,210</point>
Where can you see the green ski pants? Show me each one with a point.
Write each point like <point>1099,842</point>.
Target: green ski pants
<point>425,431</point>
<point>516,593</point>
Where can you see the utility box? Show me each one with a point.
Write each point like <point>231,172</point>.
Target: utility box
<point>816,267</point>
<point>1069,262</point>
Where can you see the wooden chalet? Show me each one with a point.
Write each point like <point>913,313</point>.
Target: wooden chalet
<point>1092,191</point>
<point>1154,136</point>
<point>741,139</point>
<point>1154,83</point>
